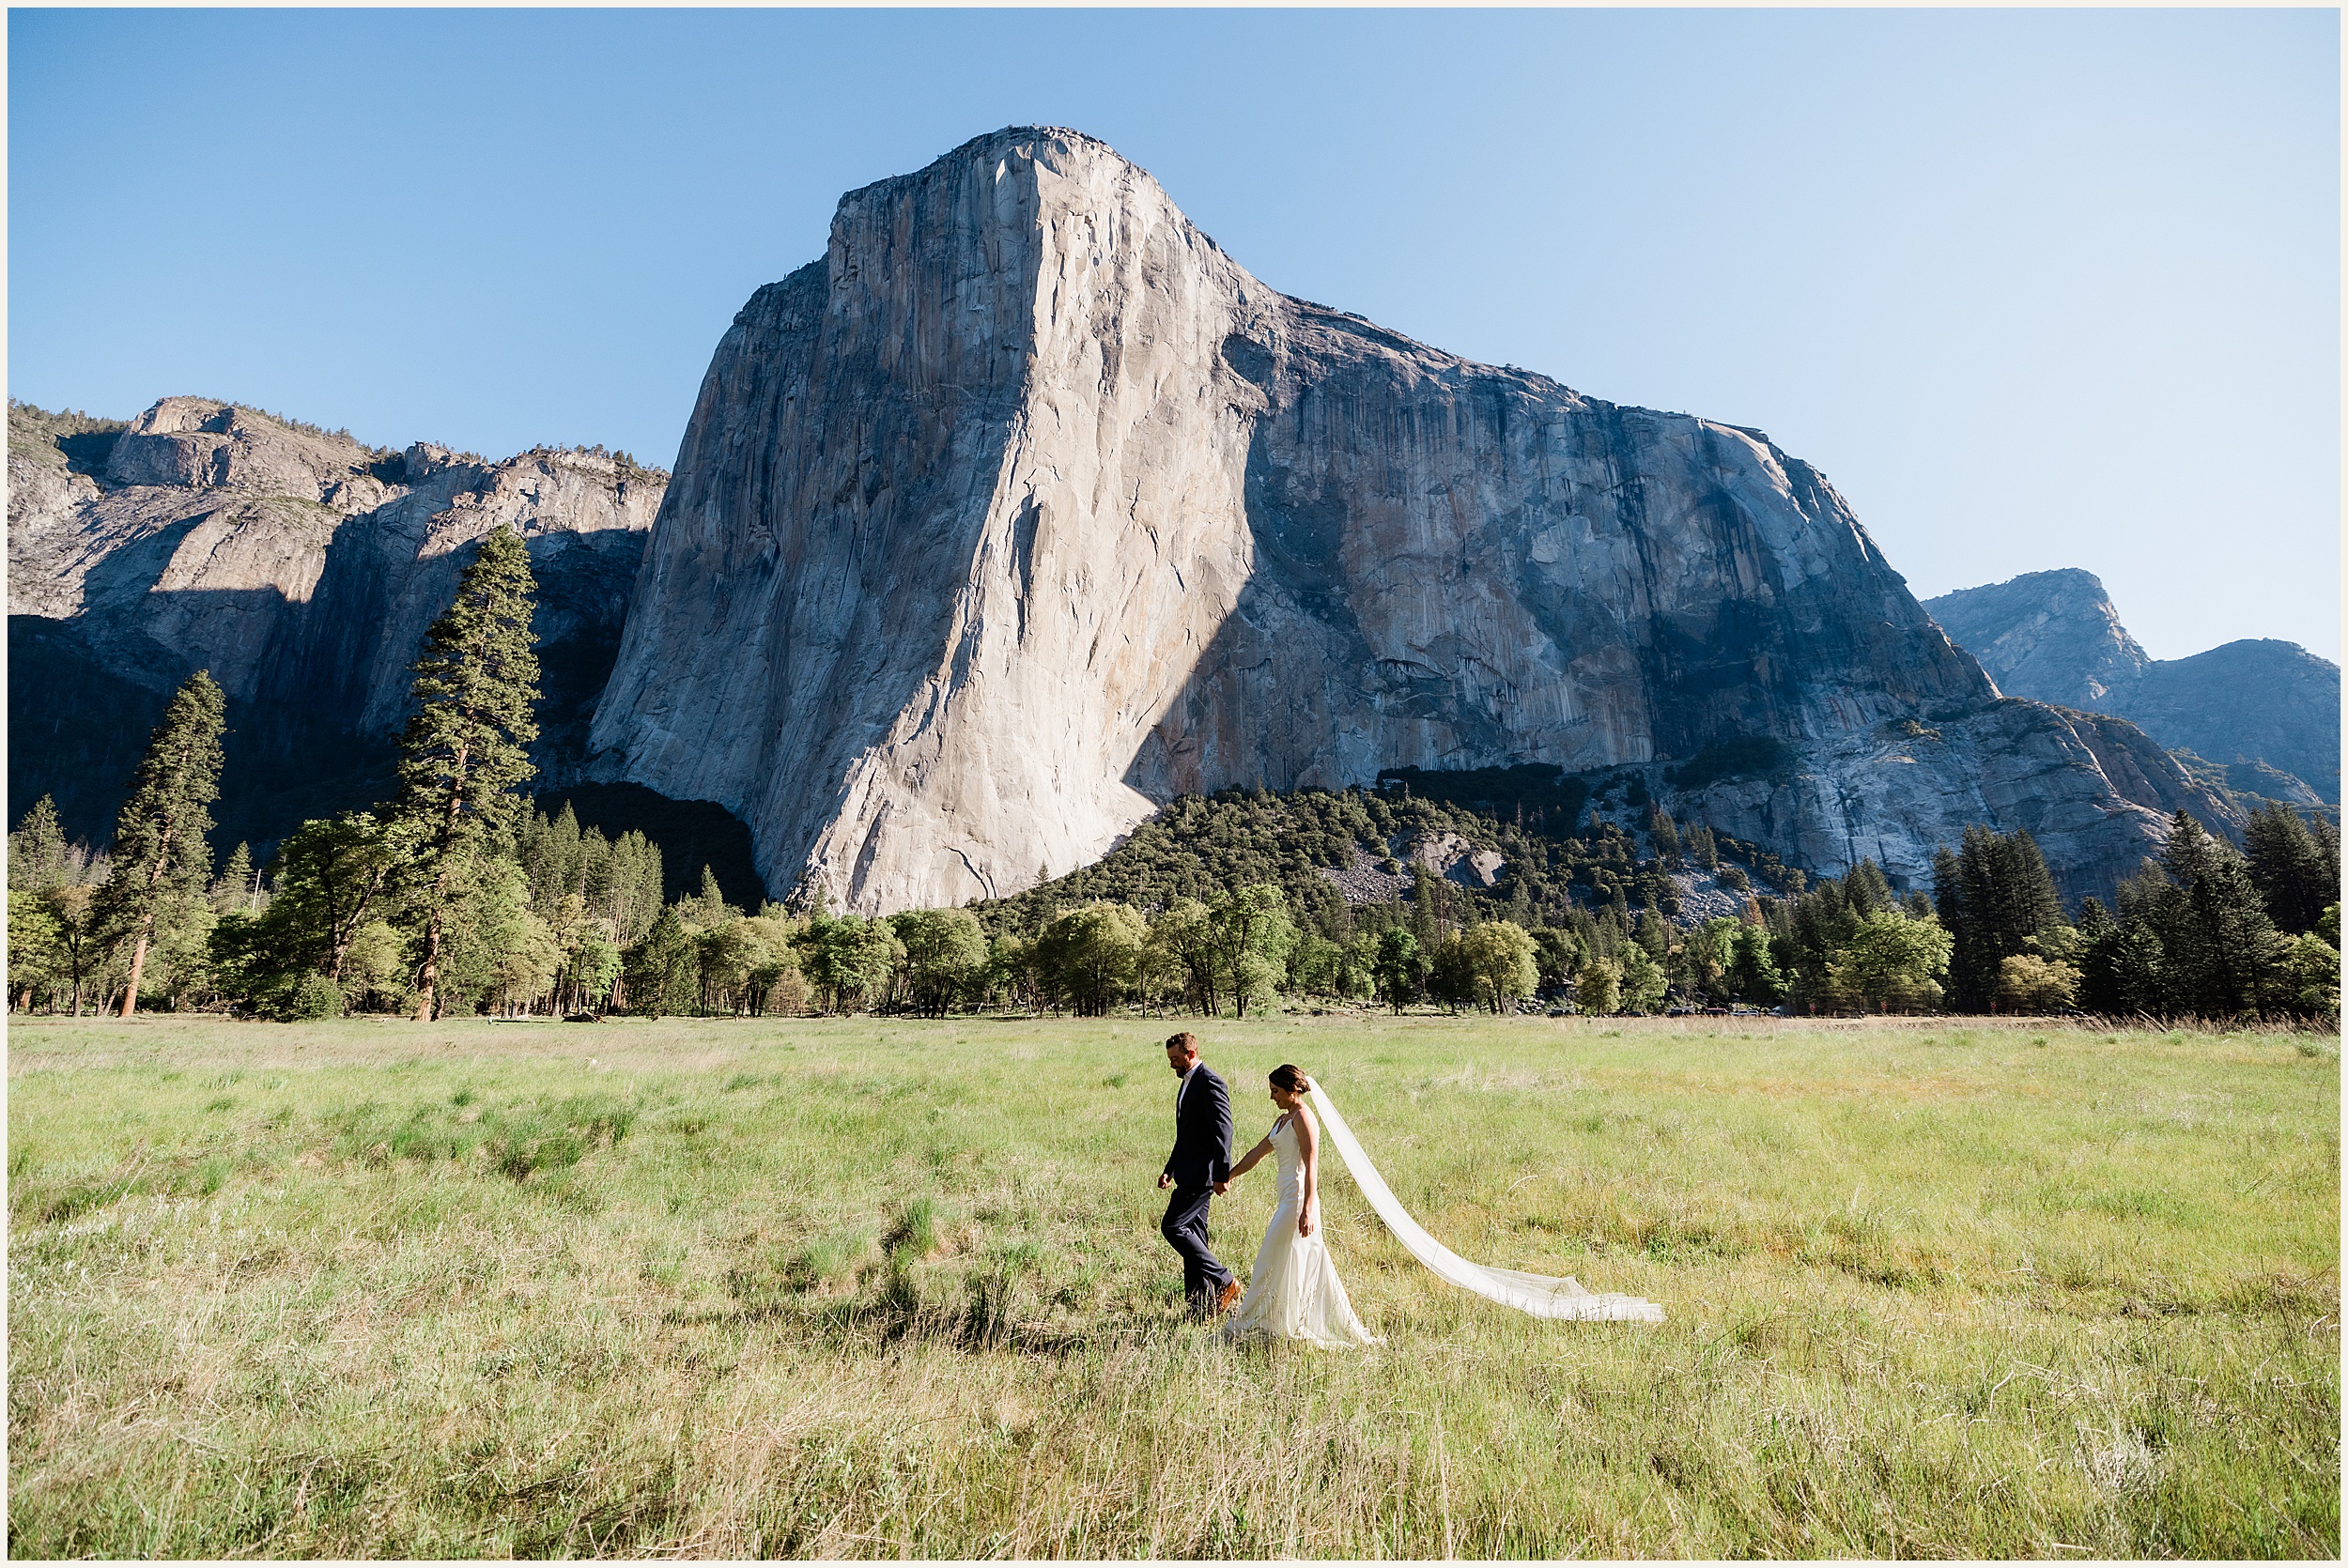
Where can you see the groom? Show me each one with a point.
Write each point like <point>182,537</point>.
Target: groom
<point>1199,1167</point>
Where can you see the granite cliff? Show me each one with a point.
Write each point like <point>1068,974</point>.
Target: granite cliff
<point>2255,709</point>
<point>1026,507</point>
<point>301,568</point>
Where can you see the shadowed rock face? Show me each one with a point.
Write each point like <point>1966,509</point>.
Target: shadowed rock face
<point>1026,507</point>
<point>303,569</point>
<point>2055,636</point>
<point>2258,699</point>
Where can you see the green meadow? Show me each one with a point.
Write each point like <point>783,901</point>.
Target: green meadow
<point>883,1287</point>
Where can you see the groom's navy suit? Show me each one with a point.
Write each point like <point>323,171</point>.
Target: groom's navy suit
<point>1201,1158</point>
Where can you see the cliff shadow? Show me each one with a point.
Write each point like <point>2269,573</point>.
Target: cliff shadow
<point>691,833</point>
<point>78,726</point>
<point>84,693</point>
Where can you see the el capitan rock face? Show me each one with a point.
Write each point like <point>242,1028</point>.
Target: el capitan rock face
<point>1026,507</point>
<point>2056,636</point>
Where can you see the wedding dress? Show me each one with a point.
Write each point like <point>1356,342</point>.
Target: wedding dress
<point>1537,1294</point>
<point>1294,1292</point>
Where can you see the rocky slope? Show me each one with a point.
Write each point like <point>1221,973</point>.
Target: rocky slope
<point>2248,707</point>
<point>301,568</point>
<point>1026,507</point>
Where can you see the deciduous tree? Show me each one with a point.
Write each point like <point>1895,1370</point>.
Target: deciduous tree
<point>945,956</point>
<point>1500,953</point>
<point>1598,989</point>
<point>1401,967</point>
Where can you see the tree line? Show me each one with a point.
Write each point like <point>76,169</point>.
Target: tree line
<point>459,895</point>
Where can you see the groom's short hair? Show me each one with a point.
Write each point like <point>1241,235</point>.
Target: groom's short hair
<point>1185,1042</point>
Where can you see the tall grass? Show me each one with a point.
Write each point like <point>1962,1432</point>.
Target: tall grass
<point>880,1287</point>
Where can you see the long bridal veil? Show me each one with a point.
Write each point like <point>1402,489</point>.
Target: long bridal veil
<point>1534,1293</point>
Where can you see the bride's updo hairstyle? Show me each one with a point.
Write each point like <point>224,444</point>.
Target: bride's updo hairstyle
<point>1290,1077</point>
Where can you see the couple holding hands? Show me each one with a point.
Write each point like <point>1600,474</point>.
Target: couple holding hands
<point>1294,1291</point>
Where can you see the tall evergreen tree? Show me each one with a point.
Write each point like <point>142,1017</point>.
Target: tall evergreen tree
<point>2211,941</point>
<point>463,753</point>
<point>159,853</point>
<point>233,890</point>
<point>663,971</point>
<point>1869,893</point>
<point>38,859</point>
<point>1753,974</point>
<point>1427,912</point>
<point>2235,942</point>
<point>1993,895</point>
<point>2294,864</point>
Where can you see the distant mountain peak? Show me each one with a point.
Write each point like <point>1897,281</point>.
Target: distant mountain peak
<point>2052,635</point>
<point>2251,707</point>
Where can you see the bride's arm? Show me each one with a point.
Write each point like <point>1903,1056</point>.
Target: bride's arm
<point>1254,1156</point>
<point>1308,1148</point>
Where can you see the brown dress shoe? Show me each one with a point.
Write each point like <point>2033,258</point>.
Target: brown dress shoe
<point>1229,1300</point>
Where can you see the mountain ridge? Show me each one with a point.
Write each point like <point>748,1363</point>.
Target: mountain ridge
<point>2056,636</point>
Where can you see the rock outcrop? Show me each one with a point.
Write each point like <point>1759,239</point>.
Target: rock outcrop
<point>1026,507</point>
<point>2250,707</point>
<point>303,569</point>
<point>2053,636</point>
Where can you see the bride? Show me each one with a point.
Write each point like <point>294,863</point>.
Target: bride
<point>1294,1292</point>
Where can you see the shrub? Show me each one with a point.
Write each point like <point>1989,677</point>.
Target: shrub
<point>315,997</point>
<point>2029,984</point>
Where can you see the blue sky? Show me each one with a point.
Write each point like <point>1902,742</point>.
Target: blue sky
<point>2033,288</point>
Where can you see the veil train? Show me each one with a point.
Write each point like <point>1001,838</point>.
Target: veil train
<point>1537,1294</point>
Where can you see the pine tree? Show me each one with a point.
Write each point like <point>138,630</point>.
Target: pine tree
<point>160,855</point>
<point>554,857</point>
<point>1868,892</point>
<point>232,890</point>
<point>2296,867</point>
<point>37,856</point>
<point>463,753</point>
<point>633,886</point>
<point>708,908</point>
<point>1993,894</point>
<point>1426,920</point>
<point>2215,941</point>
<point>2238,944</point>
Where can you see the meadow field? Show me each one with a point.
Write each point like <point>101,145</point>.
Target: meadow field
<point>888,1287</point>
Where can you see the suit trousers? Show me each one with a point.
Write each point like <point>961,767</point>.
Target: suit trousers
<point>1185,1231</point>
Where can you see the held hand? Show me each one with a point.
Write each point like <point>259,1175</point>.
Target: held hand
<point>1164,1181</point>
<point>1221,1188</point>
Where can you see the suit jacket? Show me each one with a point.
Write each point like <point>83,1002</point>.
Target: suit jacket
<point>1202,1132</point>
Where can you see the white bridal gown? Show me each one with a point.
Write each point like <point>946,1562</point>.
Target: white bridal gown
<point>1537,1294</point>
<point>1294,1292</point>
